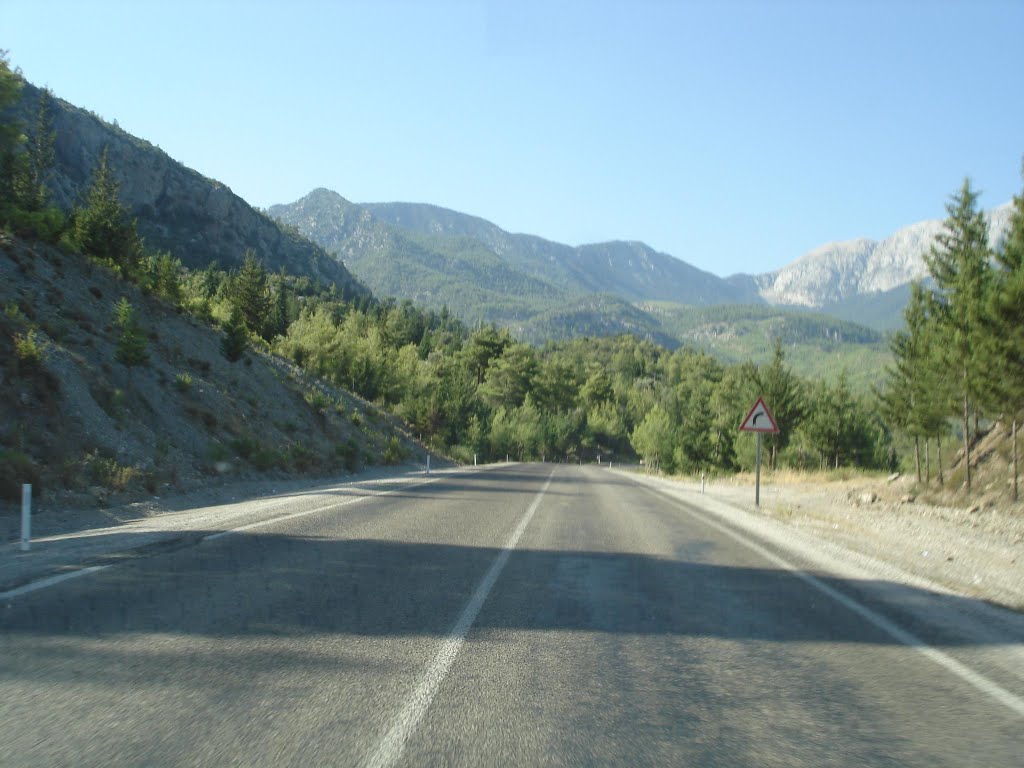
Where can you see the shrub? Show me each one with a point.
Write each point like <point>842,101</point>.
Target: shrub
<point>348,452</point>
<point>28,350</point>
<point>301,457</point>
<point>183,381</point>
<point>318,401</point>
<point>16,469</point>
<point>394,452</point>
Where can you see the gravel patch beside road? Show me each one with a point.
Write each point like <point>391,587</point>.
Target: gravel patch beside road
<point>977,552</point>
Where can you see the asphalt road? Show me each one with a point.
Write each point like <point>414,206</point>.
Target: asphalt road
<point>521,615</point>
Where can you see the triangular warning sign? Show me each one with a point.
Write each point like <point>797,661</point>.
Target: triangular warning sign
<point>759,419</point>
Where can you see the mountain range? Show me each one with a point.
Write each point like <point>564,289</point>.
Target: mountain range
<point>436,256</point>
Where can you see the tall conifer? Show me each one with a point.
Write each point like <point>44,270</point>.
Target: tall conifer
<point>959,264</point>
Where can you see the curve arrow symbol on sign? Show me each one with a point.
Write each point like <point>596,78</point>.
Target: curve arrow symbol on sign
<point>750,424</point>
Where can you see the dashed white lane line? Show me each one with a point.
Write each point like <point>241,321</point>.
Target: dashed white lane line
<point>391,746</point>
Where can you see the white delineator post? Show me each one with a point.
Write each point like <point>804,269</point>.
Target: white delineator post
<point>26,517</point>
<point>474,459</point>
<point>428,463</point>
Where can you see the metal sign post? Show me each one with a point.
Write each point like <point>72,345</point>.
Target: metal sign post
<point>760,421</point>
<point>757,474</point>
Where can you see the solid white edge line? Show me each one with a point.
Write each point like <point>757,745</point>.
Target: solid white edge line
<point>50,581</point>
<point>404,724</point>
<point>965,673</point>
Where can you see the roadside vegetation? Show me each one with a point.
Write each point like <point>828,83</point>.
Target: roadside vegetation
<point>479,392</point>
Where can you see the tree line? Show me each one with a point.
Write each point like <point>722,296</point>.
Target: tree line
<point>959,360</point>
<point>479,391</point>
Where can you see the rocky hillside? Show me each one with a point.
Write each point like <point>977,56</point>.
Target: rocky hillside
<point>199,220</point>
<point>85,428</point>
<point>836,273</point>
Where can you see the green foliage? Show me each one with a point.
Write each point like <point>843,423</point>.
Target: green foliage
<point>30,190</point>
<point>348,452</point>
<point>653,439</point>
<point>102,228</point>
<point>17,469</point>
<point>108,473</point>
<point>28,351</point>
<point>11,136</point>
<point>250,294</point>
<point>131,344</point>
<point>162,274</point>
<point>236,337</point>
<point>960,264</point>
<point>183,381</point>
<point>394,452</point>
<point>783,393</point>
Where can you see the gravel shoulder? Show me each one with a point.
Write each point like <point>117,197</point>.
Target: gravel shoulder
<point>976,552</point>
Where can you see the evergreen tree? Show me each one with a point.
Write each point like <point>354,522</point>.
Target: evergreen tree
<point>30,179</point>
<point>1007,328</point>
<point>783,393</point>
<point>652,439</point>
<point>236,337</point>
<point>250,293</point>
<point>102,227</point>
<point>10,130</point>
<point>131,344</point>
<point>959,262</point>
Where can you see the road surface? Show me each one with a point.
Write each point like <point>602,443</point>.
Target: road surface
<point>515,615</point>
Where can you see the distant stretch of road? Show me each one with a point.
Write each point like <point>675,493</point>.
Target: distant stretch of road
<point>514,615</point>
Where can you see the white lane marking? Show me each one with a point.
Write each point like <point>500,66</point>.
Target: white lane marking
<point>50,581</point>
<point>909,639</point>
<point>322,508</point>
<point>390,748</point>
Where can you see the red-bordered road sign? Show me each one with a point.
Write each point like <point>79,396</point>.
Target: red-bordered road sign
<point>759,419</point>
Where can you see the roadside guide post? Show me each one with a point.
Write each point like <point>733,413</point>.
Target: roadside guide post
<point>26,517</point>
<point>428,463</point>
<point>760,421</point>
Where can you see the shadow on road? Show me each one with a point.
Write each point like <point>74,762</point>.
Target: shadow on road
<point>265,584</point>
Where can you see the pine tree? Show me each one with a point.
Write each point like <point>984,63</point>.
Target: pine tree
<point>1007,328</point>
<point>236,337</point>
<point>783,393</point>
<point>102,227</point>
<point>131,345</point>
<point>30,179</point>
<point>251,294</point>
<point>10,130</point>
<point>959,262</point>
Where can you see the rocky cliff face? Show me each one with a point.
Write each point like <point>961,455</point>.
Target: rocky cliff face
<point>837,272</point>
<point>199,220</point>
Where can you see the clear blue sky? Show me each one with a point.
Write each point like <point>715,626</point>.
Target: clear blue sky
<point>733,135</point>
